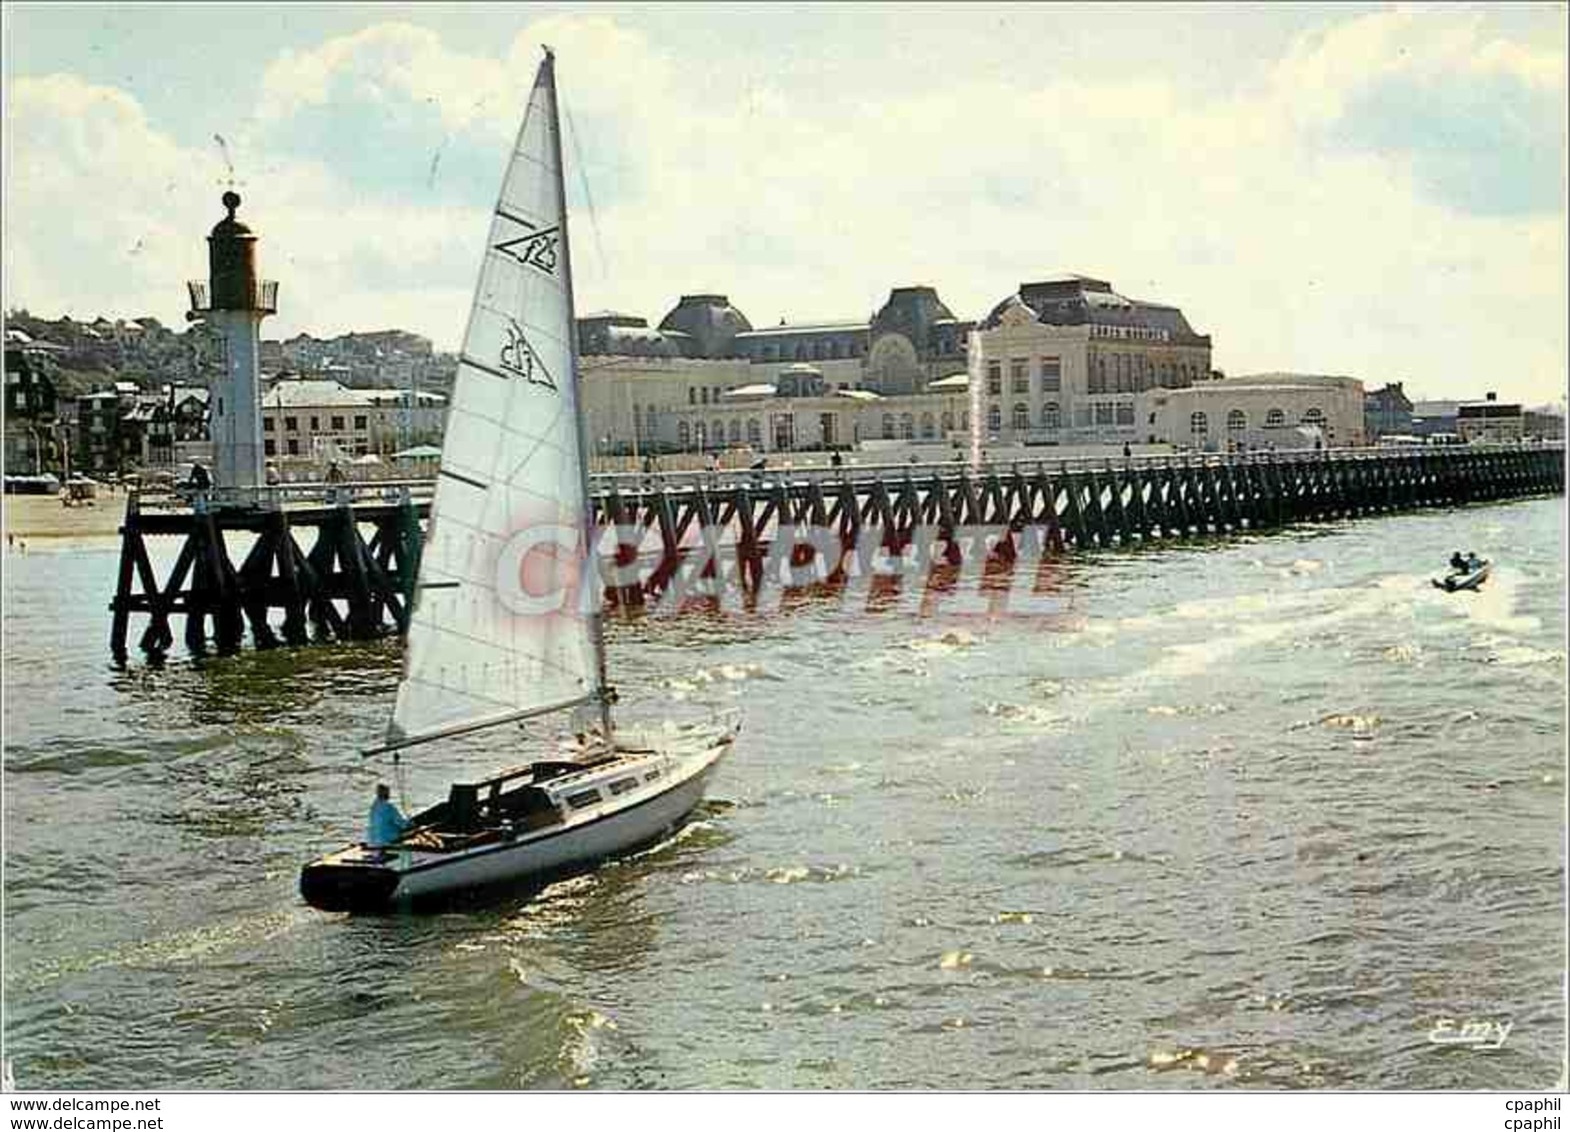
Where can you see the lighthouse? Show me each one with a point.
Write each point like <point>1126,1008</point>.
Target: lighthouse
<point>234,302</point>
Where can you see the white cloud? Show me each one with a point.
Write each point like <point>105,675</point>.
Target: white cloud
<point>1292,254</point>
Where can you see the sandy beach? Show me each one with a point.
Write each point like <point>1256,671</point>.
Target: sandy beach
<point>42,517</point>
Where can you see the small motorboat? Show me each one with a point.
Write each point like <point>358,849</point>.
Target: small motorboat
<point>1473,575</point>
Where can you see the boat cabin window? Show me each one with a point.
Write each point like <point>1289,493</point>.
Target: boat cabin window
<point>622,785</point>
<point>651,776</point>
<point>583,798</point>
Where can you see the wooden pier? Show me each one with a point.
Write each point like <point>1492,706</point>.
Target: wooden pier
<point>357,577</point>
<point>354,582</point>
<point>1075,505</point>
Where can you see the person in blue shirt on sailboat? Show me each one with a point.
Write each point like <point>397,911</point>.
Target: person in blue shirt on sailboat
<point>386,824</point>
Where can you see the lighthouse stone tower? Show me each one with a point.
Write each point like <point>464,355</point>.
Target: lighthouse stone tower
<point>234,302</point>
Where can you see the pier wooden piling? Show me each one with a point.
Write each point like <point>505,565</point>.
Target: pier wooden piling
<point>357,579</point>
<point>346,586</point>
<point>1076,505</point>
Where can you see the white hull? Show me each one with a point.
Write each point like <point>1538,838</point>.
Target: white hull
<point>663,787</point>
<point>607,832</point>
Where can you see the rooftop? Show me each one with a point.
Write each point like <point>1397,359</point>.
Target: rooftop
<point>803,328</point>
<point>745,391</point>
<point>308,392</point>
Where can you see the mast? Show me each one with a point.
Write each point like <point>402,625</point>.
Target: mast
<point>593,598</point>
<point>484,646</point>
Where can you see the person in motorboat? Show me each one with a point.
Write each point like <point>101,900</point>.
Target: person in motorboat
<point>1458,563</point>
<point>386,823</point>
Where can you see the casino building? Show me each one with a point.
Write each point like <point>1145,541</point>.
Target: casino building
<point>1066,360</point>
<point>1062,362</point>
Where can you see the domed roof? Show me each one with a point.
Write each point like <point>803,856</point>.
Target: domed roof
<point>709,321</point>
<point>911,311</point>
<point>229,228</point>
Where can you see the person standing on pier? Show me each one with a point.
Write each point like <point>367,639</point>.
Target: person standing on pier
<point>335,492</point>
<point>385,824</point>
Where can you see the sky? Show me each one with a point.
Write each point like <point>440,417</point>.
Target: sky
<point>1366,190</point>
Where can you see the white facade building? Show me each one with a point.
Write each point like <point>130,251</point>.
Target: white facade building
<point>1257,411</point>
<point>1065,361</point>
<point>318,420</point>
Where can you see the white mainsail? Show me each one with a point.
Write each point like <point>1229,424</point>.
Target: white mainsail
<point>506,621</point>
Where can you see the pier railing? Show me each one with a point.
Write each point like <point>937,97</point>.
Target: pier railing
<point>857,472</point>
<point>318,493</point>
<point>658,532</point>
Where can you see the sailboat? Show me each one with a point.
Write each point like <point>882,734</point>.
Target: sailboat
<point>506,625</point>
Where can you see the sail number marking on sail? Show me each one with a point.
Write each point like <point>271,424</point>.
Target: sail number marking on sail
<point>518,357</point>
<point>535,248</point>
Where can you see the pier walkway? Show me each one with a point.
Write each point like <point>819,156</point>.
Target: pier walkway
<point>357,578</point>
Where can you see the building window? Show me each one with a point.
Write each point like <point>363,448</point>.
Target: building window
<point>754,431</point>
<point>928,429</point>
<point>359,423</point>
<point>888,426</point>
<point>1103,412</point>
<point>907,427</point>
<point>292,446</point>
<point>267,447</point>
<point>946,421</point>
<point>267,424</point>
<point>1236,421</point>
<point>1051,416</point>
<point>1051,375</point>
<point>692,396</point>
<point>1314,417</point>
<point>735,430</point>
<point>1100,385</point>
<point>1275,419</point>
<point>291,424</point>
<point>1019,379</point>
<point>718,433</point>
<point>1197,424</point>
<point>1021,417</point>
<point>703,394</point>
<point>337,424</point>
<point>994,418</point>
<point>684,433</point>
<point>1126,413</point>
<point>315,421</point>
<point>994,378</point>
